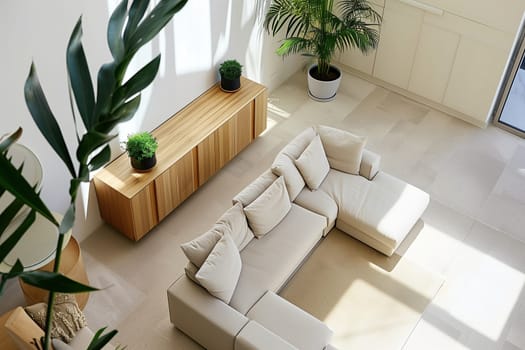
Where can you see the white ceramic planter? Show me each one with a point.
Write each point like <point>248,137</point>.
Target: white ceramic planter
<point>323,91</point>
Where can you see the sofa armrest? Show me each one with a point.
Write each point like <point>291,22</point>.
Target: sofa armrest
<point>370,163</point>
<point>254,336</point>
<point>23,329</point>
<point>208,320</point>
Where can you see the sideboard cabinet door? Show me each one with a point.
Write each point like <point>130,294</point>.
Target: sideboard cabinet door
<point>225,143</point>
<point>176,184</point>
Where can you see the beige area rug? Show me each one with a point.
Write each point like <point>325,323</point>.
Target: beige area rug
<point>370,301</point>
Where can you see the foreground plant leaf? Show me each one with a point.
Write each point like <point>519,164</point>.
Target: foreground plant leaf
<point>54,282</point>
<point>45,120</point>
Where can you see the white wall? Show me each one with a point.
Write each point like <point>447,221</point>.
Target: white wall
<point>202,35</point>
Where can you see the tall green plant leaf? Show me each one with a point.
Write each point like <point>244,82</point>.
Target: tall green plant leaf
<point>127,110</point>
<point>90,142</point>
<point>100,339</point>
<point>45,120</point>
<point>14,182</point>
<point>138,82</point>
<point>100,159</point>
<point>14,272</point>
<point>106,86</point>
<point>115,27</point>
<point>121,114</point>
<point>68,220</point>
<point>154,22</point>
<point>9,140</point>
<point>79,76</point>
<point>136,12</point>
<point>13,239</point>
<point>8,214</point>
<point>54,282</point>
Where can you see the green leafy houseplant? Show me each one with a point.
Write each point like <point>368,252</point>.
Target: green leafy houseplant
<point>141,148</point>
<point>230,72</point>
<point>115,101</point>
<point>230,69</point>
<point>141,145</point>
<point>313,28</point>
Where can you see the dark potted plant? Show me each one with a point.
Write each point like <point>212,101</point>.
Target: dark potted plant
<point>141,148</point>
<point>313,29</point>
<point>230,72</point>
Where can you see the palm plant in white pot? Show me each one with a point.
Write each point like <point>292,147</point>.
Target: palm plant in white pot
<point>313,28</point>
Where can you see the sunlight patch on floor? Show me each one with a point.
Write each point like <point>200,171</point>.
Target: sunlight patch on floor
<point>482,292</point>
<point>278,111</point>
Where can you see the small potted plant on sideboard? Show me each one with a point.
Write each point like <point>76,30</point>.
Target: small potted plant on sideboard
<point>230,72</point>
<point>141,148</point>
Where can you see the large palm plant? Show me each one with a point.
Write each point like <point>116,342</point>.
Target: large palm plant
<point>313,29</point>
<point>114,101</point>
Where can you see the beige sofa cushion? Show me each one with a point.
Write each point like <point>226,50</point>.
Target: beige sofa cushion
<point>235,220</point>
<point>198,249</point>
<point>220,272</point>
<point>268,262</point>
<point>285,167</point>
<point>348,191</point>
<point>313,164</point>
<point>344,150</point>
<point>370,163</point>
<point>269,208</point>
<point>321,203</point>
<point>255,188</point>
<point>294,325</point>
<point>297,145</point>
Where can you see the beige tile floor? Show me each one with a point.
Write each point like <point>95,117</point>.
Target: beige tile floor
<point>473,235</point>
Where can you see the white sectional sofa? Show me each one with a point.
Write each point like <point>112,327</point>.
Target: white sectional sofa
<point>323,178</point>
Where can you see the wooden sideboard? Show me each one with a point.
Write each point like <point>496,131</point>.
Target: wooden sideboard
<point>193,145</point>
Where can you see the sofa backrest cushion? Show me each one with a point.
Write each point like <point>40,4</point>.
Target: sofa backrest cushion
<point>265,212</point>
<point>255,188</point>
<point>235,220</point>
<point>298,144</point>
<point>343,149</point>
<point>198,249</point>
<point>284,166</point>
<point>191,270</point>
<point>220,272</point>
<point>313,164</point>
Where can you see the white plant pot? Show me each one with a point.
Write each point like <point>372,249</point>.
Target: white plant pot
<point>323,91</point>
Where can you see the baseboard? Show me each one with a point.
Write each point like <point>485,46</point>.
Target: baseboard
<point>412,96</point>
